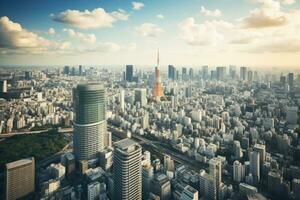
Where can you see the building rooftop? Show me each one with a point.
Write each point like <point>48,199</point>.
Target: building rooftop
<point>90,86</point>
<point>127,145</point>
<point>19,163</point>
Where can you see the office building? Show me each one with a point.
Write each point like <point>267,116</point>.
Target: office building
<point>291,80</point>
<point>122,100</point>
<point>171,72</point>
<point>255,165</point>
<point>215,171</point>
<point>3,86</point>
<point>89,123</point>
<point>93,190</point>
<point>238,171</point>
<point>140,95</point>
<point>129,73</point>
<point>161,186</point>
<point>205,72</point>
<point>28,75</point>
<point>261,149</point>
<point>189,193</point>
<point>80,72</point>
<point>66,70</point>
<point>127,170</point>
<point>243,73</point>
<point>20,178</point>
<point>147,177</point>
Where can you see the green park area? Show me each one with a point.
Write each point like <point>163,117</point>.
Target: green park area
<point>39,145</point>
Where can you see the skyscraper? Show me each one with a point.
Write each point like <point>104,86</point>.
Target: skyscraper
<point>254,165</point>
<point>129,73</point>
<point>238,171</point>
<point>122,100</point>
<point>3,86</point>
<point>140,95</point>
<point>127,170</point>
<point>215,171</point>
<point>20,177</point>
<point>157,90</point>
<point>80,70</point>
<point>291,80</point>
<point>171,72</point>
<point>243,73</point>
<point>89,122</point>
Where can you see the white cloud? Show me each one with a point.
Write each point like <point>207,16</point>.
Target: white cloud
<point>149,30</point>
<point>201,34</point>
<point>97,18</point>
<point>211,13</point>
<point>13,36</point>
<point>137,5</point>
<point>51,31</point>
<point>89,38</point>
<point>288,2</point>
<point>269,14</point>
<point>160,16</point>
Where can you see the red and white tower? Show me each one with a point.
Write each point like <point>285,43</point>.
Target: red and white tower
<point>157,90</point>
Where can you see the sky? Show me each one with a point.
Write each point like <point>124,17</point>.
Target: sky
<point>260,33</point>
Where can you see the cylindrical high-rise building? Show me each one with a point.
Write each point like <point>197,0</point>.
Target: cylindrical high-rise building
<point>89,123</point>
<point>127,170</point>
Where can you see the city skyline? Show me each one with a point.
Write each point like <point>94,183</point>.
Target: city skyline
<point>263,33</point>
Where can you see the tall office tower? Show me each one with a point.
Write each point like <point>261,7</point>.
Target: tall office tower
<point>20,178</point>
<point>157,90</point>
<point>215,171</point>
<point>205,75</point>
<point>171,72</point>
<point>243,73</point>
<point>250,76</point>
<point>237,150</point>
<point>80,70</point>
<point>145,121</point>
<point>89,123</point>
<point>140,95</point>
<point>291,80</point>
<point>191,74</point>
<point>28,75</point>
<point>161,186</point>
<point>127,170</point>
<point>261,149</point>
<point>122,100</point>
<point>184,74</point>
<point>207,186</point>
<point>221,73</point>
<point>3,86</point>
<point>238,171</point>
<point>283,79</point>
<point>73,71</point>
<point>147,177</point>
<point>129,73</point>
<point>232,71</point>
<point>255,165</point>
<point>66,70</point>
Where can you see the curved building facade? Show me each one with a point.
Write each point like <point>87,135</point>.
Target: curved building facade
<point>89,122</point>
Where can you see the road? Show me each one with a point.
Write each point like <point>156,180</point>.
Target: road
<point>160,148</point>
<point>7,135</point>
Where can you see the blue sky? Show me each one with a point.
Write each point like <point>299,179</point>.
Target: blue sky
<point>190,32</point>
